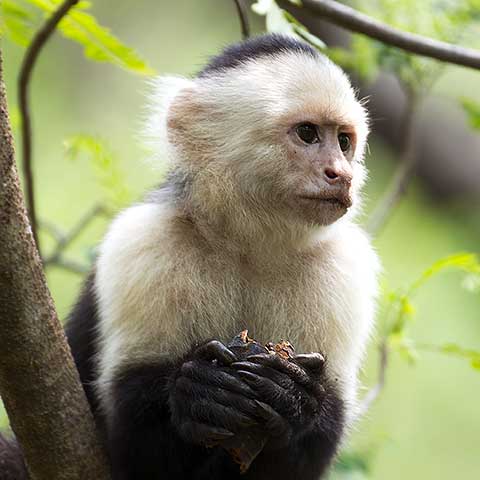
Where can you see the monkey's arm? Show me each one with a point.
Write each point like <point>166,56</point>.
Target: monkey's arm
<point>163,416</point>
<point>143,441</point>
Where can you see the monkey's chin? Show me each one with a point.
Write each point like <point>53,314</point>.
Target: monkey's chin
<point>323,211</point>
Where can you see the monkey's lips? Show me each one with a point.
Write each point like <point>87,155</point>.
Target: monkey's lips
<point>336,200</point>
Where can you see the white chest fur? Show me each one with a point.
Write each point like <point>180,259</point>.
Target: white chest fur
<point>157,298</point>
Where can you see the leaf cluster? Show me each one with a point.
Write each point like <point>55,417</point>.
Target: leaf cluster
<point>446,20</point>
<point>398,309</point>
<point>107,171</point>
<point>20,19</point>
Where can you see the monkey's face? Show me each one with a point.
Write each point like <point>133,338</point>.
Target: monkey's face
<point>319,160</point>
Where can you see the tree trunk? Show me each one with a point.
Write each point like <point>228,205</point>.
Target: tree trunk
<point>39,383</point>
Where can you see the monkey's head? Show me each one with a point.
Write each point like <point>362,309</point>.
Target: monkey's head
<point>270,130</point>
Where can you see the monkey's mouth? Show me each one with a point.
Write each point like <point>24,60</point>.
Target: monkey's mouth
<point>342,201</point>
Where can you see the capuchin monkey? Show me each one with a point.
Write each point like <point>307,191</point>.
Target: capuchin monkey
<point>253,229</point>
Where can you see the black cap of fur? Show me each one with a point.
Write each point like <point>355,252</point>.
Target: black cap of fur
<point>253,48</point>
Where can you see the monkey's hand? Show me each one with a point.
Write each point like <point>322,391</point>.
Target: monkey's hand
<point>293,389</point>
<point>210,402</point>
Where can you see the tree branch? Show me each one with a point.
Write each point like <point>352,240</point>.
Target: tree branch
<point>63,241</point>
<point>403,175</point>
<point>375,391</point>
<point>29,60</point>
<point>39,383</point>
<point>243,17</point>
<point>355,21</point>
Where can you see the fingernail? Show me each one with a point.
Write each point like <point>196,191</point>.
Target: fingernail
<point>247,376</point>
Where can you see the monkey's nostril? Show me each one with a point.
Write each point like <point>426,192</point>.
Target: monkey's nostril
<point>331,174</point>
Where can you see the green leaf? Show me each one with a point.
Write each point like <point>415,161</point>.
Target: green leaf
<point>310,38</point>
<point>351,466</point>
<point>15,117</point>
<point>302,31</point>
<point>452,349</point>
<point>261,7</point>
<point>448,20</point>
<point>351,461</point>
<point>98,42</point>
<point>278,20</point>
<point>107,172</point>
<point>17,22</point>
<point>405,311</point>
<point>403,346</point>
<point>475,363</point>
<point>466,262</point>
<point>472,109</point>
<point>398,308</point>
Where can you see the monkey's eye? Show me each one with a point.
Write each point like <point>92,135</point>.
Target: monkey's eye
<point>344,141</point>
<point>307,132</point>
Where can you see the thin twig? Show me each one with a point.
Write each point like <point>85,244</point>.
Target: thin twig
<point>243,17</point>
<point>71,266</point>
<point>375,391</point>
<point>53,230</point>
<point>64,241</point>
<point>56,258</point>
<point>403,175</point>
<point>355,21</point>
<point>29,60</point>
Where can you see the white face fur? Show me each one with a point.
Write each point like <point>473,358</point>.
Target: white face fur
<point>239,134</point>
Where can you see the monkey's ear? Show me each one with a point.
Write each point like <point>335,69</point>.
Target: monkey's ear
<point>163,99</point>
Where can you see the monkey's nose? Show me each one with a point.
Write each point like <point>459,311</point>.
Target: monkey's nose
<point>337,177</point>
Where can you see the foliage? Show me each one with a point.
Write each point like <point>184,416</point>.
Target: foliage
<point>105,166</point>
<point>20,19</point>
<point>351,466</point>
<point>449,22</point>
<point>278,20</point>
<point>472,109</point>
<point>17,21</point>
<point>441,19</point>
<point>398,309</point>
<point>396,314</point>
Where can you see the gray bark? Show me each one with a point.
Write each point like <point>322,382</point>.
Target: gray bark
<point>39,383</point>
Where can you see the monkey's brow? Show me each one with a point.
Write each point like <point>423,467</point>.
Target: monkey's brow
<point>346,127</point>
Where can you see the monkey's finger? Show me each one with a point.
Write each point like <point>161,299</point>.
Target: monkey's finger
<point>275,424</point>
<point>188,389</point>
<point>276,376</point>
<point>215,377</point>
<point>215,350</point>
<point>239,402</point>
<point>206,411</point>
<point>294,371</point>
<point>311,361</point>
<point>203,434</point>
<point>270,392</point>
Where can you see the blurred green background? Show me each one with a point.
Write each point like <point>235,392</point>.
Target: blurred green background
<point>426,423</point>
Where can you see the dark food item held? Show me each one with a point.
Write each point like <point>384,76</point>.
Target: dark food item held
<point>244,448</point>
